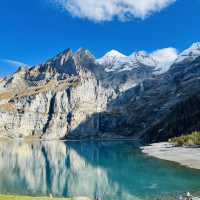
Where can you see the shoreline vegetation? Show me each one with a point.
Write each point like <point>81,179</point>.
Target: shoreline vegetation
<point>190,140</point>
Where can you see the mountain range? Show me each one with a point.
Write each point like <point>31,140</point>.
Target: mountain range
<point>76,96</point>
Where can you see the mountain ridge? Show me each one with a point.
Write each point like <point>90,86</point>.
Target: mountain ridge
<point>73,95</point>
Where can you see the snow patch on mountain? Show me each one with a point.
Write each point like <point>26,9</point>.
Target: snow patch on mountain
<point>144,58</point>
<point>191,53</point>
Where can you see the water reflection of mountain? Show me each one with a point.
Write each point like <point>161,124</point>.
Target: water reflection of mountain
<point>113,170</point>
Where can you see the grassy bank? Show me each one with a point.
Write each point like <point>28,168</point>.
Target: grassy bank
<point>15,197</point>
<point>192,139</point>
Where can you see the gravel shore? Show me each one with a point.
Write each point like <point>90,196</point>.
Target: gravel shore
<point>185,156</point>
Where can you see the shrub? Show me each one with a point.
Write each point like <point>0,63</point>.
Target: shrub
<point>192,139</point>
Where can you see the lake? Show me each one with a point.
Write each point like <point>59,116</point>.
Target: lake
<point>111,170</point>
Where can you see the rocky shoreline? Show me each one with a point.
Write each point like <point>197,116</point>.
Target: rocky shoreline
<point>186,156</point>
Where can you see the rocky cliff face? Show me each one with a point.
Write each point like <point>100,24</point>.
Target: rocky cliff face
<point>74,95</point>
<point>52,99</point>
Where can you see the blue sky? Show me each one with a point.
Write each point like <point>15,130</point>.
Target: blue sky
<point>32,31</point>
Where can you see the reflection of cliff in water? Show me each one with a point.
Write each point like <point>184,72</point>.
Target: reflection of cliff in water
<point>51,167</point>
<point>112,170</point>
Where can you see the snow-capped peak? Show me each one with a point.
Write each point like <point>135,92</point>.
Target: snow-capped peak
<point>114,53</point>
<point>118,62</point>
<point>191,53</point>
<point>196,45</point>
<point>110,57</point>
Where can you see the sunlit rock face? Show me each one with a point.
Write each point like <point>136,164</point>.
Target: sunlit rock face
<point>74,95</point>
<point>55,99</point>
<point>52,99</point>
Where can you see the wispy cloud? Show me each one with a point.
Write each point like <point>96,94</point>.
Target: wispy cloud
<point>13,63</point>
<point>165,57</point>
<point>106,10</point>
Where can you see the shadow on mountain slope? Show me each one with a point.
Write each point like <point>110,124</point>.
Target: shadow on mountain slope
<point>156,110</point>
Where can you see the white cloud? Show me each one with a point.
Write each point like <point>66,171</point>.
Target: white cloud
<point>14,63</point>
<point>165,57</point>
<point>106,10</point>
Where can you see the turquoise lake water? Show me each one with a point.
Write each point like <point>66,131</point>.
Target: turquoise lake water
<point>109,170</point>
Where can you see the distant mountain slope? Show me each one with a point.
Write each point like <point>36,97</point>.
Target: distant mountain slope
<point>76,95</point>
